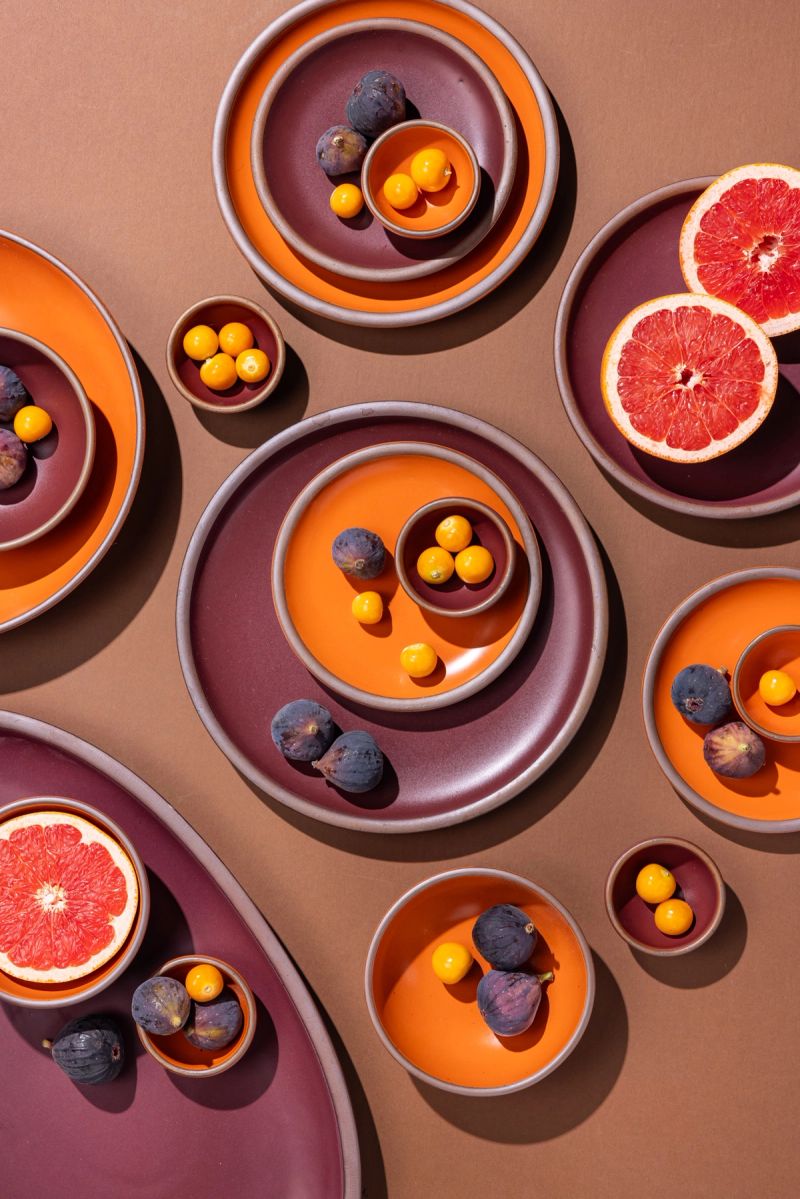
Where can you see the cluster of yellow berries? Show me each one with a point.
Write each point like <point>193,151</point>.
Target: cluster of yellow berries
<point>454,553</point>
<point>227,355</point>
<point>656,885</point>
<point>430,171</point>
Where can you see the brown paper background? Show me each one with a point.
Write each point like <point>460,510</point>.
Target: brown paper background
<point>687,1082</point>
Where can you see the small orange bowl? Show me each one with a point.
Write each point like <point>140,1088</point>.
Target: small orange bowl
<point>776,649</point>
<point>175,1052</point>
<point>436,1031</point>
<point>433,213</point>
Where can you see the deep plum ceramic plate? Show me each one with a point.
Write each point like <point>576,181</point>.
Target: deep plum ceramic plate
<point>239,670</point>
<point>279,1121</point>
<point>444,82</point>
<point>632,259</point>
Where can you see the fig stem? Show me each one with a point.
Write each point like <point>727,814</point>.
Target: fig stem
<point>546,978</point>
<point>47,1044</point>
<point>530,927</point>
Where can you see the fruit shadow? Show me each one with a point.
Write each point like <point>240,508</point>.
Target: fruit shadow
<point>21,490</point>
<point>284,407</point>
<point>784,843</point>
<point>712,961</point>
<point>245,1082</point>
<point>513,294</point>
<point>563,1100</point>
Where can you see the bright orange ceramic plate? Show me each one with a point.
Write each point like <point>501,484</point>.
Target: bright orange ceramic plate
<point>43,298</point>
<point>436,1031</point>
<point>713,626</point>
<point>416,300</point>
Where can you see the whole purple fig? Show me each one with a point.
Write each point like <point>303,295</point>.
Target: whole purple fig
<point>353,763</point>
<point>734,750</point>
<point>701,694</point>
<point>509,1002</point>
<point>13,459</point>
<point>302,730</point>
<point>378,102</point>
<point>13,393</point>
<point>341,150</point>
<point>214,1025</point>
<point>359,552</point>
<point>505,936</point>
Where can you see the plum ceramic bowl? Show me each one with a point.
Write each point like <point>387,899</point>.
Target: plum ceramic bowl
<point>698,880</point>
<point>176,1053</point>
<point>216,312</point>
<point>775,649</point>
<point>436,1031</point>
<point>433,213</point>
<point>58,995</point>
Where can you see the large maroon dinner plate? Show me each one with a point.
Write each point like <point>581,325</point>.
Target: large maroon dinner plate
<point>278,1124</point>
<point>632,259</point>
<point>445,766</point>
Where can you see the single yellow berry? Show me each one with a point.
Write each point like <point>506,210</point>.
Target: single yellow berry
<point>252,366</point>
<point>431,169</point>
<point>655,883</point>
<point>204,982</point>
<point>32,423</point>
<point>454,533</point>
<point>435,565</point>
<point>451,961</point>
<point>673,917</point>
<point>367,607</point>
<point>219,372</point>
<point>776,687</point>
<point>200,342</point>
<point>235,337</point>
<point>346,200</point>
<point>418,660</point>
<point>474,564</point>
<point>401,191</point>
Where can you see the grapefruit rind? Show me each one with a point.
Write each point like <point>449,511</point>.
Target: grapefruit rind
<point>613,401</point>
<point>121,923</point>
<point>775,326</point>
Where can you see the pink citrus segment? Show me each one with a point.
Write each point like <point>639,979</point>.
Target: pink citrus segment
<point>688,377</point>
<point>68,896</point>
<point>741,242</point>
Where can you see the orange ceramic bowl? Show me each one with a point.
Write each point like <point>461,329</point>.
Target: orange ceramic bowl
<point>176,1053</point>
<point>433,213</point>
<point>57,995</point>
<point>776,649</point>
<point>436,1031</point>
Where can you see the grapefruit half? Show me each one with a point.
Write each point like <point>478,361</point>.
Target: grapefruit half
<point>741,242</point>
<point>688,377</point>
<point>68,896</point>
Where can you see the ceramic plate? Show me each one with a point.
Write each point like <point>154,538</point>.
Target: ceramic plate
<point>240,670</point>
<point>713,626</point>
<point>632,259</point>
<point>313,597</point>
<point>444,82</point>
<point>280,1121</point>
<point>42,297</point>
<point>413,301</point>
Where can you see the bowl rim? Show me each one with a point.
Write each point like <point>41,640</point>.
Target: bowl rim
<point>403,230</point>
<point>665,951</point>
<point>738,699</point>
<point>509,877</point>
<point>273,378</point>
<point>245,1041</point>
<point>482,605</point>
<point>417,270</point>
<point>131,946</point>
<point>355,694</point>
<point>88,421</point>
<point>678,615</point>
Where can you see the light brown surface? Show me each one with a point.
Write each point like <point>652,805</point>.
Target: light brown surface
<point>687,1082</point>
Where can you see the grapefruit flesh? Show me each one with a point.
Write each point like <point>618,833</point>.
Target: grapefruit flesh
<point>688,377</point>
<point>68,897</point>
<point>741,242</point>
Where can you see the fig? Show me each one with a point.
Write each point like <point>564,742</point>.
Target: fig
<point>734,750</point>
<point>509,1002</point>
<point>701,694</point>
<point>160,1005</point>
<point>353,763</point>
<point>302,730</point>
<point>13,459</point>
<point>359,552</point>
<point>378,101</point>
<point>341,150</point>
<point>214,1025</point>
<point>13,393</point>
<point>89,1050</point>
<point>505,936</point>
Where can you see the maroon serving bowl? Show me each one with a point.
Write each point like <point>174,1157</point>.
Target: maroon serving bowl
<point>699,883</point>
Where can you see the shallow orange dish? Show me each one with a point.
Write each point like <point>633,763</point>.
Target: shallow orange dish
<point>436,1030</point>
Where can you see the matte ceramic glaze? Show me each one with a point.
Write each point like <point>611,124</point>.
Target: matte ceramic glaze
<point>713,626</point>
<point>43,298</point>
<point>774,649</point>
<point>435,1030</point>
<point>232,649</point>
<point>698,882</point>
<point>444,80</point>
<point>414,301</point>
<point>633,258</point>
<point>280,1123</point>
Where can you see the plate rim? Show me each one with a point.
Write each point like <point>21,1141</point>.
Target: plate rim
<point>567,505</point>
<point>425,313</point>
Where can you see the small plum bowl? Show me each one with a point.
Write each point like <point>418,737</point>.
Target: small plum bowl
<point>455,598</point>
<point>775,649</point>
<point>58,995</point>
<point>698,880</point>
<point>177,1054</point>
<point>216,312</point>
<point>433,213</point>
